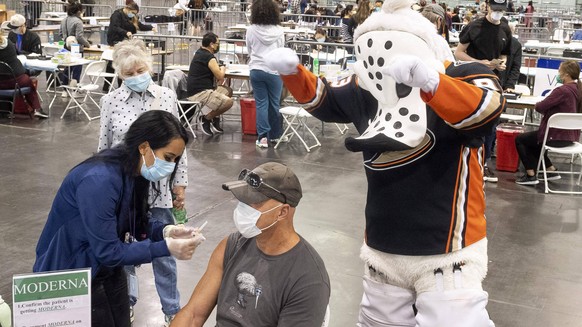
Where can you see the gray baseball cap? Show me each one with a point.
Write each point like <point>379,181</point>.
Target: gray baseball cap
<point>271,180</point>
<point>498,4</point>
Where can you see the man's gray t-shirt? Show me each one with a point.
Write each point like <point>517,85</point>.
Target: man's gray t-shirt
<point>291,289</point>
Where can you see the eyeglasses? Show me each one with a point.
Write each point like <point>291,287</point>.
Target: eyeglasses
<point>255,181</point>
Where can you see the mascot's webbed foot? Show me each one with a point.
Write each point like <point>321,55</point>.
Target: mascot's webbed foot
<point>377,143</point>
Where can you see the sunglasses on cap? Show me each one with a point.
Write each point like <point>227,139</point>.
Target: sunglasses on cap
<point>255,181</point>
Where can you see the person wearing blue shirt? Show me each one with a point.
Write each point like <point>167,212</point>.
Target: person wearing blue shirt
<point>98,217</point>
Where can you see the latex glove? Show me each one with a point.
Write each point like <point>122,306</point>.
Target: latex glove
<point>183,249</point>
<point>411,71</point>
<point>283,60</point>
<point>179,197</point>
<point>179,231</point>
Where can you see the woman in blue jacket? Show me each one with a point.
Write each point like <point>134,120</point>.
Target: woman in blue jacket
<point>98,217</point>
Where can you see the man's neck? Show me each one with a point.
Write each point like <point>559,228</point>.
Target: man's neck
<point>277,241</point>
<point>208,49</point>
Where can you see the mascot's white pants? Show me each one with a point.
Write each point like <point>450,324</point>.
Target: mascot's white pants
<point>446,289</point>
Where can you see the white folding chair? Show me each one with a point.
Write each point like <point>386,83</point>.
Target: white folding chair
<point>570,121</point>
<point>193,108</point>
<point>94,77</point>
<point>295,118</point>
<point>85,87</point>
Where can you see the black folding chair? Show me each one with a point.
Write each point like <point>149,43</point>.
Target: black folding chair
<point>10,95</point>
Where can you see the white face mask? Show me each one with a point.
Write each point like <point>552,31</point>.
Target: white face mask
<point>496,15</point>
<point>246,217</point>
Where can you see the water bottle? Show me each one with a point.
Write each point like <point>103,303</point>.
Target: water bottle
<point>180,216</point>
<point>316,66</point>
<point>51,39</point>
<point>5,314</point>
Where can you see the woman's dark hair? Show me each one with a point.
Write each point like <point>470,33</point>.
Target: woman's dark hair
<point>73,8</point>
<point>364,11</point>
<point>132,6</point>
<point>348,9</point>
<point>265,12</point>
<point>156,127</point>
<point>572,68</point>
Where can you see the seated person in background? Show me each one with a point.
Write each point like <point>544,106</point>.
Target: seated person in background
<point>26,42</point>
<point>321,37</point>
<point>266,274</point>
<point>202,76</point>
<point>566,98</point>
<point>8,55</point>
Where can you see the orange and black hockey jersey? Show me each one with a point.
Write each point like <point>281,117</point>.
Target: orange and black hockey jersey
<point>429,200</point>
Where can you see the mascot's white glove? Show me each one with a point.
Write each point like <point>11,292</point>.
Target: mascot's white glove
<point>411,71</point>
<point>282,60</point>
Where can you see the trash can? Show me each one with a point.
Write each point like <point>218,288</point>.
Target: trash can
<point>507,157</point>
<point>248,116</point>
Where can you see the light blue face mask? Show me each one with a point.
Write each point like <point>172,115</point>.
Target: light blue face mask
<point>130,15</point>
<point>158,171</point>
<point>139,83</point>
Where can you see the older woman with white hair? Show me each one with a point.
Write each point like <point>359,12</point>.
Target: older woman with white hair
<point>119,109</point>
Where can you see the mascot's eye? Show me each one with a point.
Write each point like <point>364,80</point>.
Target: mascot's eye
<point>380,62</point>
<point>378,75</point>
<point>402,91</point>
<point>414,118</point>
<point>397,125</point>
<point>371,60</point>
<point>388,116</point>
<point>388,45</point>
<point>370,42</point>
<point>403,111</point>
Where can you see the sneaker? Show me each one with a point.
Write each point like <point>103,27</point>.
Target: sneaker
<point>263,143</point>
<point>527,180</point>
<point>215,125</point>
<point>284,139</point>
<point>488,175</point>
<point>64,94</point>
<point>206,126</point>
<point>167,320</point>
<point>552,175</point>
<point>40,114</point>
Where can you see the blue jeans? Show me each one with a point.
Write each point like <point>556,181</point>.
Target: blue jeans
<point>489,142</point>
<point>165,269</point>
<point>75,72</point>
<point>267,90</point>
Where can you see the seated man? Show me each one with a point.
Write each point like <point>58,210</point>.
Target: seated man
<point>26,41</point>
<point>202,76</point>
<point>266,274</point>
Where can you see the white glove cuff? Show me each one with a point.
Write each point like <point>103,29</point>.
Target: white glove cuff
<point>168,230</point>
<point>433,82</point>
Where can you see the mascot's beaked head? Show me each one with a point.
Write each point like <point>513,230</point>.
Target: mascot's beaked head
<point>394,31</point>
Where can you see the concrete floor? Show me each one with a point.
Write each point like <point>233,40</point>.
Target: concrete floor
<point>535,239</point>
